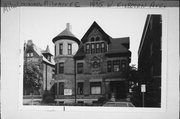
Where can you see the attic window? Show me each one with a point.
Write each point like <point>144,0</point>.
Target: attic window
<point>92,39</point>
<point>97,38</point>
<point>29,54</point>
<point>49,58</point>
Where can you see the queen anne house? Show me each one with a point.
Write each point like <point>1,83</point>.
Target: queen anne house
<point>92,68</point>
<point>44,62</point>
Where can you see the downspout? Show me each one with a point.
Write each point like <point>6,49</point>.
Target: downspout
<point>75,78</point>
<point>46,77</point>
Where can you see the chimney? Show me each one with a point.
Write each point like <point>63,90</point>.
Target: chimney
<point>29,42</point>
<point>68,27</point>
<point>47,49</point>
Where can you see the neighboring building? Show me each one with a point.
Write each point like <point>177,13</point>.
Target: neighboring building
<point>66,45</point>
<point>149,60</point>
<point>44,61</point>
<point>102,63</point>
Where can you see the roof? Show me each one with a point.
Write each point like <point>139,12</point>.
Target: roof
<point>118,45</point>
<point>66,34</point>
<point>40,52</point>
<point>95,25</point>
<point>80,52</point>
<point>47,51</point>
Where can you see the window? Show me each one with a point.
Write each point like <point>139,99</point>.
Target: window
<point>92,48</point>
<point>79,68</point>
<point>109,66</point>
<point>92,39</point>
<point>123,65</point>
<point>31,54</point>
<point>116,65</point>
<point>80,88</point>
<point>97,38</point>
<point>97,48</point>
<point>60,49</point>
<point>87,48</point>
<point>61,68</point>
<point>69,49</point>
<point>56,67</point>
<point>28,54</point>
<point>61,88</point>
<point>54,89</point>
<point>49,58</point>
<point>95,87</point>
<point>102,47</point>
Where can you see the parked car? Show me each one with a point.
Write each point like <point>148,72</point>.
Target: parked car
<point>118,104</point>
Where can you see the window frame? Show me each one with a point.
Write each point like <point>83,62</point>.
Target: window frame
<point>102,47</point>
<point>61,68</point>
<point>95,85</point>
<point>109,66</point>
<point>97,48</point>
<point>80,88</point>
<point>97,38</point>
<point>123,62</point>
<point>92,39</point>
<point>88,48</point>
<point>61,88</point>
<point>80,68</point>
<point>60,49</point>
<point>93,48</point>
<point>69,49</point>
<point>115,63</point>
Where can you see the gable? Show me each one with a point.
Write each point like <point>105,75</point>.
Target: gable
<point>95,30</point>
<point>95,35</point>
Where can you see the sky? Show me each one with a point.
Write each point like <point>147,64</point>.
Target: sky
<point>42,24</point>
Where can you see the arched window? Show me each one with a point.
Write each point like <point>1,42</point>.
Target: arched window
<point>97,38</point>
<point>92,39</point>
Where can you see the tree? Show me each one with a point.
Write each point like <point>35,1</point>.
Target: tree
<point>133,74</point>
<point>133,78</point>
<point>32,78</point>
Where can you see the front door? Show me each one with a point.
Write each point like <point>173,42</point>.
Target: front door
<point>118,88</point>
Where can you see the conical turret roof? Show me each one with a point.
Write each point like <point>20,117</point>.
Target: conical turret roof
<point>66,34</point>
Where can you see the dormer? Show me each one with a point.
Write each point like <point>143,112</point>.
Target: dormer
<point>47,54</point>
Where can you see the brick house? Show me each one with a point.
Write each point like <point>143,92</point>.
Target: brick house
<point>102,63</point>
<point>93,68</point>
<point>44,61</point>
<point>149,60</point>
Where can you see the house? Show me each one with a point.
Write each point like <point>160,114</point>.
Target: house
<point>44,63</point>
<point>149,60</point>
<point>92,68</point>
<point>102,63</point>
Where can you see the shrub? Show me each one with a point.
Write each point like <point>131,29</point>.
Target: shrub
<point>102,100</point>
<point>48,97</point>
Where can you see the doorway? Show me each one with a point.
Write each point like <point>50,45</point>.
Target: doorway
<point>118,88</point>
